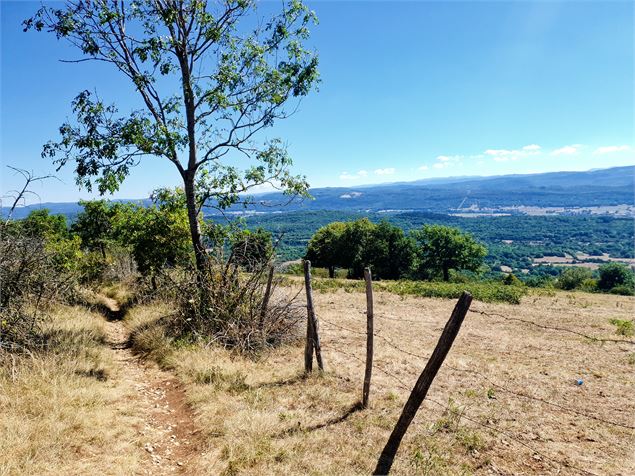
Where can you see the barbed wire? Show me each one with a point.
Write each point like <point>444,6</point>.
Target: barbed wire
<point>561,329</point>
<point>494,384</point>
<point>511,436</point>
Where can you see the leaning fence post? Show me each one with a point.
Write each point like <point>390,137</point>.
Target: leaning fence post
<point>312,329</point>
<point>420,389</point>
<point>369,336</point>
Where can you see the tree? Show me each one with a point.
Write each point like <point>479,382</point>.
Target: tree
<point>158,235</point>
<point>389,252</point>
<point>326,247</point>
<point>94,224</point>
<point>357,244</point>
<point>233,81</point>
<point>442,248</point>
<point>41,224</point>
<point>613,275</point>
<point>252,249</point>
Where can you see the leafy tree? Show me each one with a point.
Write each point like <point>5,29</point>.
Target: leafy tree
<point>41,224</point>
<point>236,76</point>
<point>613,275</point>
<point>326,247</point>
<point>356,241</point>
<point>442,248</point>
<point>388,251</point>
<point>360,243</point>
<point>94,225</point>
<point>252,249</point>
<point>573,277</point>
<point>157,235</point>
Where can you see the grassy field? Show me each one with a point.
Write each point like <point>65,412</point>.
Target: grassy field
<point>265,417</point>
<point>505,402</point>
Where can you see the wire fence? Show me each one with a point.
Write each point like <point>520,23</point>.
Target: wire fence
<point>422,358</point>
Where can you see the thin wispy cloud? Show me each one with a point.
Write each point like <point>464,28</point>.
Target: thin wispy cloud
<point>532,147</point>
<point>505,155</point>
<point>386,171</point>
<point>566,150</point>
<point>355,176</point>
<point>610,149</point>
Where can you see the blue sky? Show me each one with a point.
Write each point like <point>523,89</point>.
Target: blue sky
<point>410,90</point>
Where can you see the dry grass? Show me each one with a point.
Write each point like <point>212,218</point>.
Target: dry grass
<point>72,411</point>
<point>264,417</point>
<point>61,409</point>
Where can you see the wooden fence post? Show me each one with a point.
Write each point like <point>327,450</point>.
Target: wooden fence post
<point>420,389</point>
<point>312,328</point>
<point>369,336</point>
<point>266,297</point>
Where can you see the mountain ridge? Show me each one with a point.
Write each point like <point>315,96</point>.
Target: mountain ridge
<point>592,188</point>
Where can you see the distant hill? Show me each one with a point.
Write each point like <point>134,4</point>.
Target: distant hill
<point>604,187</point>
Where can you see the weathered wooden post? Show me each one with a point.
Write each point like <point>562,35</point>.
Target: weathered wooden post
<point>420,389</point>
<point>312,327</point>
<point>369,337</point>
<point>266,297</point>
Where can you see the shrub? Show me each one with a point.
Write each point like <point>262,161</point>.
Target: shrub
<point>623,327</point>
<point>228,306</point>
<point>623,290</point>
<point>252,249</point>
<point>589,285</point>
<point>512,280</point>
<point>32,275</point>
<point>615,274</point>
<point>573,277</point>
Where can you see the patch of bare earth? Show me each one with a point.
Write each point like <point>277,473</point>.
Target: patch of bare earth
<point>170,436</point>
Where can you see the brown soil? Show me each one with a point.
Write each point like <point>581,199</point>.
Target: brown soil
<point>171,437</point>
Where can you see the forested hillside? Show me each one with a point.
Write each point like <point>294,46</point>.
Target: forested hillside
<point>511,240</point>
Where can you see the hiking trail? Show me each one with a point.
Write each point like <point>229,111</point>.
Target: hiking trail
<point>171,438</point>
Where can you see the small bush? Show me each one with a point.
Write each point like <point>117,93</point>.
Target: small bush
<point>623,327</point>
<point>623,290</point>
<point>33,274</point>
<point>589,285</point>
<point>227,305</point>
<point>512,280</point>
<point>573,277</point>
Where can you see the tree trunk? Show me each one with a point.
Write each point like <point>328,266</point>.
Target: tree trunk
<point>331,271</point>
<point>446,274</point>
<point>192,216</point>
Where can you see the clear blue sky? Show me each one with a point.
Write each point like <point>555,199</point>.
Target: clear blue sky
<point>409,91</point>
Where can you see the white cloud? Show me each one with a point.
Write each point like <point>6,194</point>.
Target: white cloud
<point>503,155</point>
<point>359,174</point>
<point>609,149</point>
<point>386,171</point>
<point>423,167</point>
<point>440,165</point>
<point>443,158</point>
<point>566,150</point>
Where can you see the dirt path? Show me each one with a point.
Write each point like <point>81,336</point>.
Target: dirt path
<point>171,439</point>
